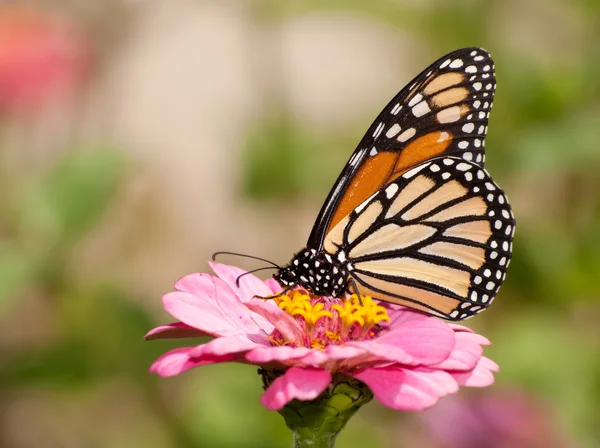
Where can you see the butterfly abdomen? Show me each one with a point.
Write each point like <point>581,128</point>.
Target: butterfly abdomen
<point>315,271</point>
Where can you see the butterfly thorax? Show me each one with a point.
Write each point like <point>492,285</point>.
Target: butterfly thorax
<point>316,272</point>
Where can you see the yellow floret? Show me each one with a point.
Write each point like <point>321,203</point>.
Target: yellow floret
<point>310,313</point>
<point>370,312</point>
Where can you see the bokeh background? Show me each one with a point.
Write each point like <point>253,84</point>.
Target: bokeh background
<point>139,136</point>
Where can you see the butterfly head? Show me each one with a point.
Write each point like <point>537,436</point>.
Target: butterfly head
<point>316,272</point>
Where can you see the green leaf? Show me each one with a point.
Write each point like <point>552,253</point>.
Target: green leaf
<point>71,198</point>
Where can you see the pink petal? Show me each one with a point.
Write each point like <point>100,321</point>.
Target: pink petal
<point>481,376</point>
<point>315,358</point>
<point>284,322</point>
<point>196,313</point>
<point>380,352</point>
<point>264,355</point>
<point>346,351</point>
<point>427,339</point>
<point>249,285</point>
<point>465,354</point>
<point>457,327</point>
<point>407,389</point>
<point>296,383</point>
<point>351,355</point>
<point>273,285</point>
<point>197,284</point>
<point>178,361</point>
<point>401,315</point>
<point>174,331</point>
<point>212,307</point>
<point>223,346</point>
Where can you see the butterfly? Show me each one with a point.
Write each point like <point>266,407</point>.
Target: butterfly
<point>414,219</point>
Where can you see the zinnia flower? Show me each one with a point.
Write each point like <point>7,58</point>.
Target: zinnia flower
<point>43,57</point>
<point>306,345</point>
<point>498,419</point>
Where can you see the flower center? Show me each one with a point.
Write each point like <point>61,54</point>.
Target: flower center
<point>328,320</point>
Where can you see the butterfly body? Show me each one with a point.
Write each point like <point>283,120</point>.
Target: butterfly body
<point>414,218</point>
<point>315,271</point>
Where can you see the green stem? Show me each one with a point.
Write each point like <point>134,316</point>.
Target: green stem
<point>314,438</point>
<point>317,423</point>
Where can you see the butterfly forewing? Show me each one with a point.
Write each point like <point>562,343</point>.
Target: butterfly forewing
<point>443,111</point>
<point>437,238</point>
<point>414,218</point>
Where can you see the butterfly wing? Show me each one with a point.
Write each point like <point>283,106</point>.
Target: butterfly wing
<point>437,238</point>
<point>443,111</point>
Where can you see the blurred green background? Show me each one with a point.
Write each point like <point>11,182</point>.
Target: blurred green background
<point>140,136</point>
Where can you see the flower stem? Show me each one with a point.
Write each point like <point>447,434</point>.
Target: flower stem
<point>317,423</point>
<point>314,438</point>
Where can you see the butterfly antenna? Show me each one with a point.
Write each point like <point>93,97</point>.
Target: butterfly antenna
<point>237,280</point>
<point>285,291</point>
<point>216,254</point>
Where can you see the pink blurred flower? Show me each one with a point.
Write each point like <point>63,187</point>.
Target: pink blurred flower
<point>506,418</point>
<point>42,58</point>
<point>409,360</point>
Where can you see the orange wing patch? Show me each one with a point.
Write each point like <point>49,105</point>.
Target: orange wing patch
<point>385,167</point>
<point>421,149</point>
<point>451,96</point>
<point>367,181</point>
<point>443,81</point>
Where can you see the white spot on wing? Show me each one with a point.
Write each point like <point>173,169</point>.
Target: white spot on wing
<point>421,109</point>
<point>355,157</point>
<point>393,130</point>
<point>415,99</point>
<point>414,171</point>
<point>468,128</point>
<point>406,135</point>
<point>449,115</point>
<point>391,191</point>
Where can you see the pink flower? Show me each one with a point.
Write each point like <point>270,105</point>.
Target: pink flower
<point>43,57</point>
<point>498,419</point>
<point>409,360</point>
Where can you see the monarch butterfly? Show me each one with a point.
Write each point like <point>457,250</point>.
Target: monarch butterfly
<point>414,219</point>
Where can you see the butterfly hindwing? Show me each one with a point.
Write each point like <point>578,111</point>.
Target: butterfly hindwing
<point>443,111</point>
<point>438,238</point>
